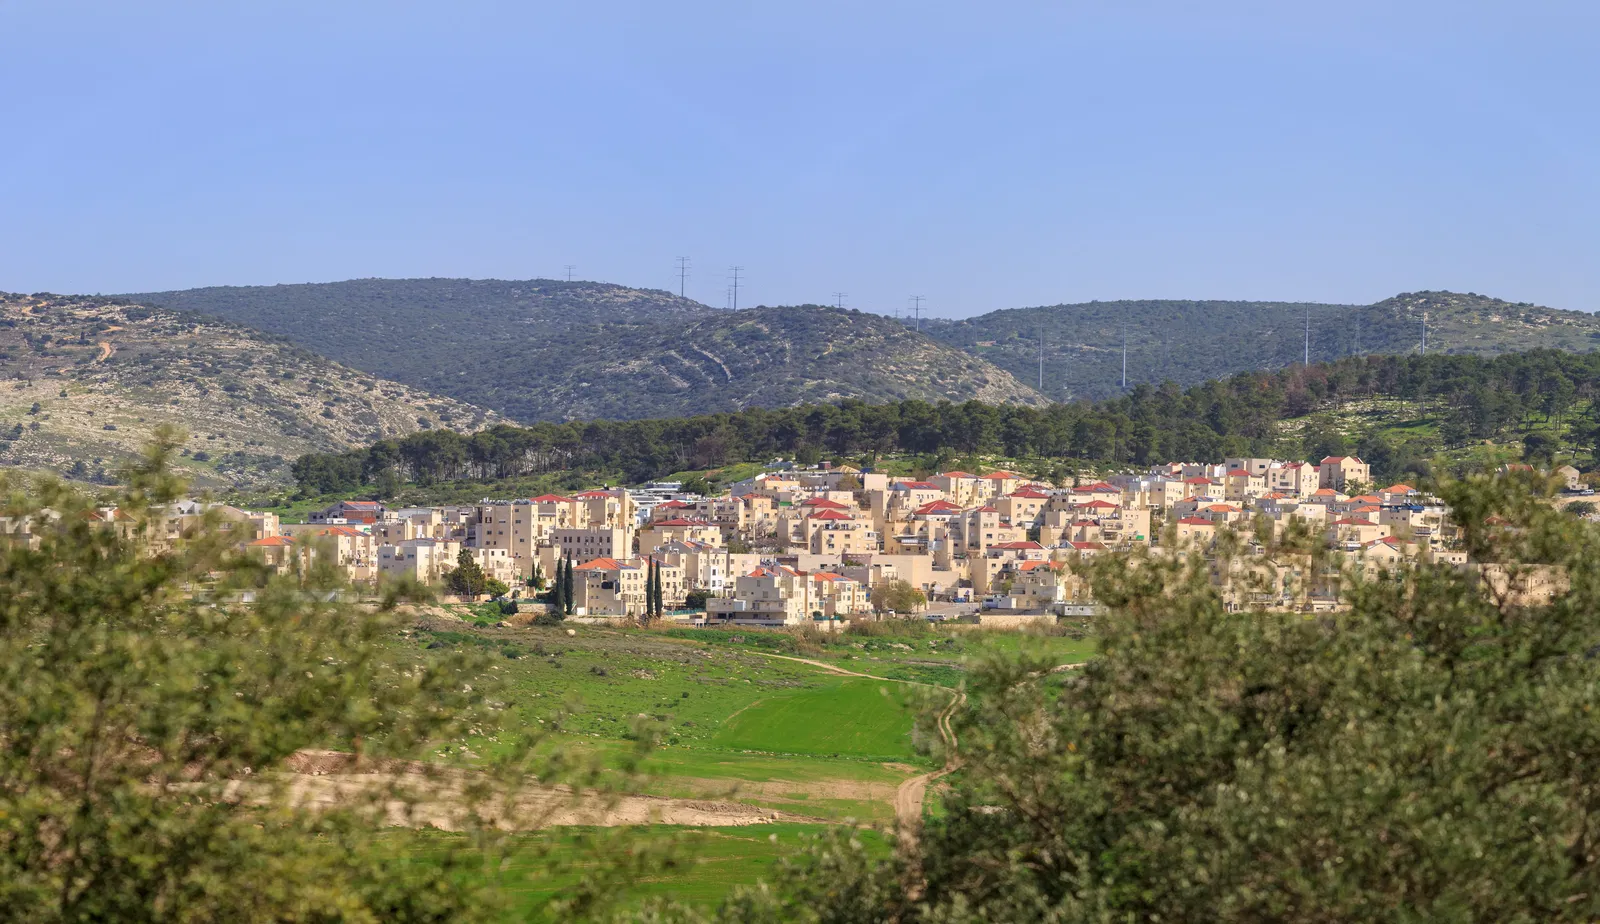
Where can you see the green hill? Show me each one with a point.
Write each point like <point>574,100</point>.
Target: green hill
<point>1191,341</point>
<point>549,350</point>
<point>88,380</point>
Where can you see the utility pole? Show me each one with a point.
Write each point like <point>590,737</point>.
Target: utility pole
<point>1124,355</point>
<point>838,299</point>
<point>735,270</point>
<point>1308,335</point>
<point>683,273</point>
<point>1041,357</point>
<point>570,268</point>
<point>916,307</point>
<point>1424,332</point>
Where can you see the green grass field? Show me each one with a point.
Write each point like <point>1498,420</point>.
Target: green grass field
<point>850,717</point>
<point>736,724</point>
<point>696,866</point>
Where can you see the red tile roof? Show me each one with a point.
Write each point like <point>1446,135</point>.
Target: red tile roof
<point>938,506</point>
<point>1018,545</point>
<point>600,564</point>
<point>1097,505</point>
<point>681,521</point>
<point>273,542</point>
<point>829,515</point>
<point>824,502</point>
<point>1196,521</point>
<point>957,475</point>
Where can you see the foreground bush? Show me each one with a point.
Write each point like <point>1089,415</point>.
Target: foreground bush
<point>146,716</point>
<point>1429,755</point>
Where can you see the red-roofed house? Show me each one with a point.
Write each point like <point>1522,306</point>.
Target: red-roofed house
<point>1197,530</point>
<point>1338,471</point>
<point>964,488</point>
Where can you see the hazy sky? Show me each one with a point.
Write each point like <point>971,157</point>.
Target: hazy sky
<point>982,154</point>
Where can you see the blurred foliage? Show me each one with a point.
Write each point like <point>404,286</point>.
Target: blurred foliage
<point>1426,755</point>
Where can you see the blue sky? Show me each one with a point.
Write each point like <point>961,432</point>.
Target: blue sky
<point>983,155</point>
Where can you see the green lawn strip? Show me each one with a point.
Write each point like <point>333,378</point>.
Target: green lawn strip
<point>855,717</point>
<point>707,862</point>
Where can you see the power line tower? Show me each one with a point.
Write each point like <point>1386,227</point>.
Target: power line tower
<point>683,274</point>
<point>916,309</point>
<point>735,270</point>
<point>570,268</point>
<point>838,299</point>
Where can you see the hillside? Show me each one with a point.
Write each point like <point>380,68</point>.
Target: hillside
<point>87,381</point>
<point>1192,341</point>
<point>1403,414</point>
<point>549,350</point>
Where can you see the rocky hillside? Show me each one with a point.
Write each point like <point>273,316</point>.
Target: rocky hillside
<point>84,382</point>
<point>759,357</point>
<point>1191,341</point>
<point>549,350</point>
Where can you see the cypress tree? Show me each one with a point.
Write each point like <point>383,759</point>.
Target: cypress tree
<point>566,588</point>
<point>661,611</point>
<point>558,586</point>
<point>649,588</point>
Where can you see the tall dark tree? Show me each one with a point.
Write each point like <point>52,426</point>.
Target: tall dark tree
<point>649,590</point>
<point>658,597</point>
<point>559,587</point>
<point>568,601</point>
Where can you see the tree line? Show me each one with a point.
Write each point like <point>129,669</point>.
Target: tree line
<point>1471,397</point>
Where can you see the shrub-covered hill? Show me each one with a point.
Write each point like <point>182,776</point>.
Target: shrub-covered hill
<point>1191,341</point>
<point>84,382</point>
<point>549,350</point>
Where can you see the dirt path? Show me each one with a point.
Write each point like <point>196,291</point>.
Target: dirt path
<point>437,797</point>
<point>106,349</point>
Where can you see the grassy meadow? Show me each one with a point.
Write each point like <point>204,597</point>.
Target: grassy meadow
<point>736,720</point>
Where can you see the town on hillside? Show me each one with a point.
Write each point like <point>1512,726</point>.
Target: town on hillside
<point>827,545</point>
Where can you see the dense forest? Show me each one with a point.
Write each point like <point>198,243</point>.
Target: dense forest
<point>1471,397</point>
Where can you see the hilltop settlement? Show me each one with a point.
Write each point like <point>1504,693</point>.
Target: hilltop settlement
<point>825,545</point>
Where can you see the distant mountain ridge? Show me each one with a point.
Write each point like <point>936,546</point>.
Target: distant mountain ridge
<point>551,350</point>
<point>1192,341</point>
